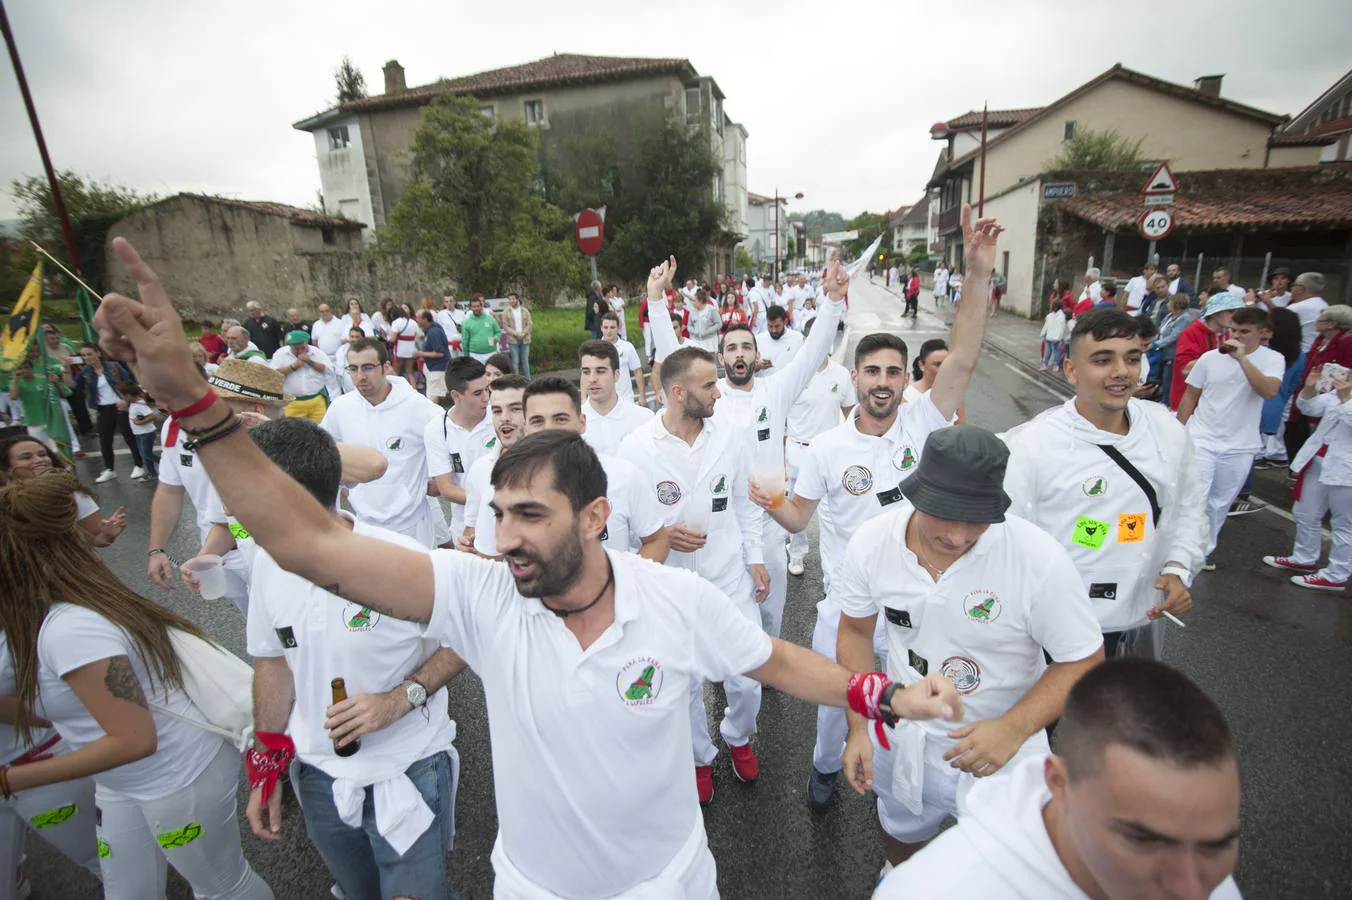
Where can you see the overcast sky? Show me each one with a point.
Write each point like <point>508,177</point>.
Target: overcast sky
<point>168,96</point>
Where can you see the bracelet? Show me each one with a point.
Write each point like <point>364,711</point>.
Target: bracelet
<point>155,551</point>
<point>231,426</point>
<point>4,782</point>
<point>202,404</point>
<point>200,432</point>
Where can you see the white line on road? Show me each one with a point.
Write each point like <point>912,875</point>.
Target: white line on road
<point>1031,380</point>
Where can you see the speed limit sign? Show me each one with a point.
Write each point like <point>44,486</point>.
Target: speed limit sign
<point>1155,224</point>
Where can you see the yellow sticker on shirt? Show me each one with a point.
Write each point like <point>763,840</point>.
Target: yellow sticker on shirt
<point>1130,528</point>
<point>1089,533</point>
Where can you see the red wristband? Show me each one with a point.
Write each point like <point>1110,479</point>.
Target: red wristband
<point>201,406</point>
<point>864,693</point>
<point>265,767</point>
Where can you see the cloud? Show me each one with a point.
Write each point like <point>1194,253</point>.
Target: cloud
<point>169,96</point>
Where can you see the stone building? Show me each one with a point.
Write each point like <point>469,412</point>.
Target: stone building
<point>215,254</point>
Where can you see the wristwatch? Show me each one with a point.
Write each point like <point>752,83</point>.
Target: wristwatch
<point>416,693</point>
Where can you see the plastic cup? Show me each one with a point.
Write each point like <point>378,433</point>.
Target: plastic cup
<point>697,513</point>
<point>210,575</point>
<point>773,483</point>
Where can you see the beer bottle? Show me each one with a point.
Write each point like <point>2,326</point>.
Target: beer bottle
<point>339,695</point>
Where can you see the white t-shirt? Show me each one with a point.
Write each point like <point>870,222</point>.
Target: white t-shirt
<point>180,467</point>
<point>365,325</point>
<point>1308,311</point>
<point>404,333</point>
<point>983,624</point>
<point>11,744</point>
<point>479,487</point>
<point>138,409</point>
<point>322,638</point>
<point>72,637</point>
<point>85,506</point>
<point>605,432</point>
<point>107,396</point>
<point>592,748</point>
<point>779,351</point>
<point>617,307</point>
<point>1229,410</point>
<point>306,380</point>
<point>328,336</point>
<point>452,450</point>
<point>629,364</point>
<point>1136,291</point>
<point>818,407</point>
<point>447,320</point>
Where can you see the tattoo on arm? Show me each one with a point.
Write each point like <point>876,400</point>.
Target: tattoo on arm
<point>122,683</point>
<point>336,590</point>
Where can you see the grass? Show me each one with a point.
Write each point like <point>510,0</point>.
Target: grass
<point>556,334</point>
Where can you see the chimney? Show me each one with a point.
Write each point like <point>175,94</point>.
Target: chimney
<point>1209,85</point>
<point>394,78</point>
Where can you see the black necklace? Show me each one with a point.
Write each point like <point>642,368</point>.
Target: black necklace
<point>565,613</point>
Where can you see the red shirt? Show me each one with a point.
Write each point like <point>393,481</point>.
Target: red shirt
<point>1082,307</point>
<point>1193,341</point>
<point>1336,350</point>
<point>643,312</point>
<point>214,345</point>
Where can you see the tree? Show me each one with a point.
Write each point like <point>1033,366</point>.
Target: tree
<point>1101,150</point>
<point>350,81</point>
<point>868,225</point>
<point>742,262</point>
<point>93,207</point>
<point>471,214</point>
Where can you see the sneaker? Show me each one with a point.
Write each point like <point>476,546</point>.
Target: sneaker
<point>744,763</point>
<point>1209,565</point>
<point>1318,583</point>
<point>137,472</point>
<point>105,476</point>
<point>795,567</point>
<point>704,784</point>
<point>337,892</point>
<point>821,786</point>
<point>1285,562</point>
<point>1264,464</point>
<point>1244,506</point>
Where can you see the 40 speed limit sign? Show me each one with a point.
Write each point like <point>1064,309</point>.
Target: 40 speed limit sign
<point>1155,224</point>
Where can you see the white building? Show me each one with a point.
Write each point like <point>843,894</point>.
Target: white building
<point>761,241</point>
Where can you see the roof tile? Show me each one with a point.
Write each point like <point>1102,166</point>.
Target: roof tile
<point>995,118</point>
<point>1264,210</point>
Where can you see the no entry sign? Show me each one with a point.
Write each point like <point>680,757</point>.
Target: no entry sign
<point>590,231</point>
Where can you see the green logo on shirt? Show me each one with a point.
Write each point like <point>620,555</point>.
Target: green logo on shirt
<point>763,415</point>
<point>394,443</point>
<point>1090,533</point>
<point>359,618</point>
<point>639,681</point>
<point>1094,487</point>
<point>981,606</point>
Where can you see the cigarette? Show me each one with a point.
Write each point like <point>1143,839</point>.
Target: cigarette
<point>1173,618</point>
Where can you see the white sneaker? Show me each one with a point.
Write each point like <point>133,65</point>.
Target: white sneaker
<point>795,567</point>
<point>106,475</point>
<point>138,472</point>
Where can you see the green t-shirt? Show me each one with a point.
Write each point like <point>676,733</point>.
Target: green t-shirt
<point>480,334</point>
<point>33,397</point>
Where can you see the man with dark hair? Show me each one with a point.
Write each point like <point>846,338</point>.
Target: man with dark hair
<point>855,468</point>
<point>435,354</point>
<point>972,593</point>
<point>610,417</point>
<point>1222,408</point>
<point>402,785</point>
<point>508,418</point>
<point>1199,336</point>
<point>389,415</point>
<point>1108,300</point>
<point>454,441</point>
<point>630,367</point>
<point>1140,800</point>
<point>264,331</point>
<point>1120,493</point>
<point>551,661</point>
<point>778,343</point>
<point>696,466</point>
<point>479,332</point>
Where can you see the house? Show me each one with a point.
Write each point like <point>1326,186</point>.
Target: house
<point>364,147</point>
<point>893,219</point>
<point>762,240</point>
<point>1326,123</point>
<point>913,227</point>
<point>1193,128</point>
<point>214,254</point>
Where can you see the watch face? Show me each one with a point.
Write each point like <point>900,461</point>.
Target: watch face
<point>417,694</point>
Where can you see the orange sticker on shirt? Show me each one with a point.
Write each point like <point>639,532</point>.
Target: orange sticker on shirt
<point>1130,528</point>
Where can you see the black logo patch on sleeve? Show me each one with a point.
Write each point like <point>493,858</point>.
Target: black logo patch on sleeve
<point>899,617</point>
<point>287,637</point>
<point>887,498</point>
<point>919,663</point>
<point>185,460</point>
<point>763,434</point>
<point>457,466</point>
<point>720,504</point>
<point>1104,590</point>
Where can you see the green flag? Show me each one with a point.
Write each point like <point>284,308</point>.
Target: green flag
<point>86,305</point>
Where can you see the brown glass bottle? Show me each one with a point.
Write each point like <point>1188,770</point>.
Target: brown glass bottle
<point>339,695</point>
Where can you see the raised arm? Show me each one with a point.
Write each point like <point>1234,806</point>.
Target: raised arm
<point>792,380</point>
<point>280,514</point>
<point>969,327</point>
<point>659,318</point>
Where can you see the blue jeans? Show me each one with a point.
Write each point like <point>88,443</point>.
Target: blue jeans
<point>145,444</point>
<point>1051,357</point>
<point>359,859</point>
<point>520,358</point>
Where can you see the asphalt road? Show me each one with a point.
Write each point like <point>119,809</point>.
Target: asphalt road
<point>1272,655</point>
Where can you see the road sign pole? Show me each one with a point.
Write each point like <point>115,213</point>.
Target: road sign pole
<point>592,260</point>
<point>1150,255</point>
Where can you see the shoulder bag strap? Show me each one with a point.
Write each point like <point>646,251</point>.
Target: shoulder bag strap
<point>1135,475</point>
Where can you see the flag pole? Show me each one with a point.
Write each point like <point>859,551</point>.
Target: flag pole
<point>58,204</point>
<point>981,190</point>
<point>38,247</point>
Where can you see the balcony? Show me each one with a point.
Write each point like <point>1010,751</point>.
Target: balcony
<point>950,220</point>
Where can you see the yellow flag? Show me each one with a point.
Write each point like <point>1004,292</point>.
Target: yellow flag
<point>22,323</point>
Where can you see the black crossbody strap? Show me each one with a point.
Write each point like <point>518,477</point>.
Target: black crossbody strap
<point>1135,475</point>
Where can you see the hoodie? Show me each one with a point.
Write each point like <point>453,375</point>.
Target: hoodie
<point>999,850</point>
<point>1058,479</point>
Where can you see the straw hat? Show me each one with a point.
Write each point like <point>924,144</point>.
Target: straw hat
<point>241,379</point>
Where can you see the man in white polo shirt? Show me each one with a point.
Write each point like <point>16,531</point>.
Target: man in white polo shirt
<point>1137,287</point>
<point>778,343</point>
<point>631,367</point>
<point>382,761</point>
<point>455,440</point>
<point>1132,805</point>
<point>1114,480</point>
<point>306,371</point>
<point>610,417</point>
<point>1307,302</point>
<point>328,332</point>
<point>696,466</point>
<point>507,413</point>
<point>818,409</point>
<point>976,596</point>
<point>389,415</point>
<point>449,318</point>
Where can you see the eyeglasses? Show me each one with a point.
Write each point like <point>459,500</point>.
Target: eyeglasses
<point>367,369</point>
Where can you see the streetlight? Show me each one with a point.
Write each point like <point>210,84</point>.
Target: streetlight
<point>798,196</point>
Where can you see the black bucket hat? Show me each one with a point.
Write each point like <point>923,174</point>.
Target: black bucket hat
<point>961,476</point>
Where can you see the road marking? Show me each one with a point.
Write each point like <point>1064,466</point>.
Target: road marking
<point>1031,380</point>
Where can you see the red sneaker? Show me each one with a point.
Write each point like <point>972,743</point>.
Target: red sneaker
<point>1318,583</point>
<point>744,763</point>
<point>79,454</point>
<point>704,784</point>
<point>1284,562</point>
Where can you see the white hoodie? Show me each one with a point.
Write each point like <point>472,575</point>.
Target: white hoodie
<point>1072,490</point>
<point>999,850</point>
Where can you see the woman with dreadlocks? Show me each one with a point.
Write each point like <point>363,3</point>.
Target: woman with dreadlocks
<point>95,659</point>
<point>24,456</point>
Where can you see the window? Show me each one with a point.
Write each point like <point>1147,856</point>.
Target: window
<point>718,116</point>
<point>1070,131</point>
<point>1004,267</point>
<point>338,138</point>
<point>692,104</point>
<point>489,112</point>
<point>535,112</point>
<point>328,235</point>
